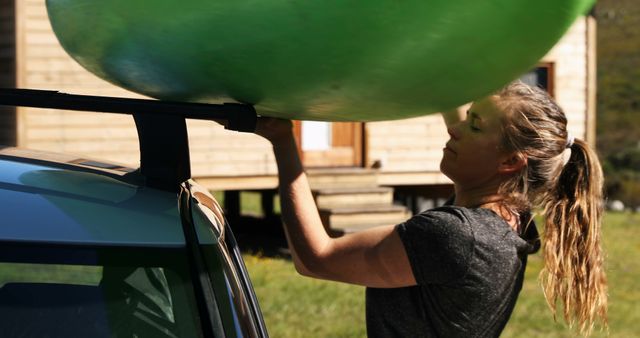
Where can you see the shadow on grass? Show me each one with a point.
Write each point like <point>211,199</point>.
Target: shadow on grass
<point>260,235</point>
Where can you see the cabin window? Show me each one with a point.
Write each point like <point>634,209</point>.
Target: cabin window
<point>541,76</point>
<point>316,136</point>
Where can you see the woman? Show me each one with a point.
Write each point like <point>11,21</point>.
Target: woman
<point>456,271</point>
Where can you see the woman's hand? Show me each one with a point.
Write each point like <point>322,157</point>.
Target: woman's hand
<point>275,130</point>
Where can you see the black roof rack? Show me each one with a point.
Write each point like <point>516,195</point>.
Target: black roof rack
<point>161,126</point>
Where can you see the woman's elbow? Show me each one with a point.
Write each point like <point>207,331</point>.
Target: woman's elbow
<point>309,269</point>
<point>302,270</point>
<point>307,272</point>
<point>313,263</point>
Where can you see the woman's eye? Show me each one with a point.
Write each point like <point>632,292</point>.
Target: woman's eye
<point>472,119</point>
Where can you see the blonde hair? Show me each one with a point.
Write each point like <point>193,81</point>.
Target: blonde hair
<point>568,187</point>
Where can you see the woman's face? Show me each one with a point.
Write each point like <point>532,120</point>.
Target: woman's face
<point>473,155</point>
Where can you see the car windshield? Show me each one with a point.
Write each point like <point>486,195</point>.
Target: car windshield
<point>87,292</point>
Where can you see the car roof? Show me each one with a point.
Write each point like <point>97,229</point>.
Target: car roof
<point>48,198</point>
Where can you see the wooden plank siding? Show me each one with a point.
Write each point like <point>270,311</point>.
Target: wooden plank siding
<point>411,146</point>
<point>43,64</point>
<point>407,151</point>
<point>217,152</point>
<point>408,145</point>
<point>7,69</point>
<point>571,76</point>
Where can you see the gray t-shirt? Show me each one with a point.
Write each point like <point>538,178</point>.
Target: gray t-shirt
<point>469,265</point>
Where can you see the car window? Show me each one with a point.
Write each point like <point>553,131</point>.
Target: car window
<point>116,298</point>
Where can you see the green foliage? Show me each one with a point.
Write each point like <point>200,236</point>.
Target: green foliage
<point>627,159</point>
<point>622,171</point>
<point>618,127</point>
<point>296,306</point>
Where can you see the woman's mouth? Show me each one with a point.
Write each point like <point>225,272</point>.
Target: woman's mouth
<point>448,148</point>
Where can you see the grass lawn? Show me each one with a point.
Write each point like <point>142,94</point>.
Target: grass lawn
<point>295,306</point>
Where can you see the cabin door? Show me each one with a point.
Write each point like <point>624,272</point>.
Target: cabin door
<point>329,144</point>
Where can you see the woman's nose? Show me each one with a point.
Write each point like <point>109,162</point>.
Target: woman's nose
<point>454,132</point>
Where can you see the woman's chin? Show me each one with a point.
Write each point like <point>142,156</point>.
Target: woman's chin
<point>444,168</point>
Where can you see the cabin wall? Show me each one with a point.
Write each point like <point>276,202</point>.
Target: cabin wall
<point>43,64</point>
<point>218,152</point>
<point>409,145</point>
<point>415,145</point>
<point>7,69</point>
<point>570,58</point>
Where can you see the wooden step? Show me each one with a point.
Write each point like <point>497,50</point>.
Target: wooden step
<point>343,197</point>
<point>322,178</point>
<point>338,221</point>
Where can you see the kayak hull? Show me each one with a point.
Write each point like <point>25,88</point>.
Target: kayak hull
<point>316,60</point>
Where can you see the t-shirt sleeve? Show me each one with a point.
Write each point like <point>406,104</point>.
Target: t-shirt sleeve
<point>439,244</point>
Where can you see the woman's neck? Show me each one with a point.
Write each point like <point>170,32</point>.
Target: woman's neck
<point>488,199</point>
<point>477,197</point>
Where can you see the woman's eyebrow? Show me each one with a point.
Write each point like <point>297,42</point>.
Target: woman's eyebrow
<point>473,115</point>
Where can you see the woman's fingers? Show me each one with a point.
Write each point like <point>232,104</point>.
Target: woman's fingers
<point>274,129</point>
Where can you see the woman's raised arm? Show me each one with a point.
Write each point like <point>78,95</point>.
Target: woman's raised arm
<point>374,257</point>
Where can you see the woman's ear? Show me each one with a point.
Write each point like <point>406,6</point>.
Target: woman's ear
<point>512,163</point>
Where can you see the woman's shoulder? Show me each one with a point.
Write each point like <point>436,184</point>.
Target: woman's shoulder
<point>486,226</point>
<point>457,214</point>
<point>463,224</point>
<point>445,221</point>
<point>439,243</point>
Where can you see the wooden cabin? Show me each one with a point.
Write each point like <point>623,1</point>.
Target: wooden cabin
<point>348,162</point>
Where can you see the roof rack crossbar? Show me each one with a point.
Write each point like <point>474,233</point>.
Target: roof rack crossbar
<point>161,126</point>
<point>239,117</point>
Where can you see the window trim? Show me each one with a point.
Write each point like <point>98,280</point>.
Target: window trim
<point>551,76</point>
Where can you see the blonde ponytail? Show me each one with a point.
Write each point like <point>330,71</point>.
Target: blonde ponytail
<point>569,191</point>
<point>574,273</point>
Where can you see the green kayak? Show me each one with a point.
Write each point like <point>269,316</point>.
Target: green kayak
<point>332,60</point>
